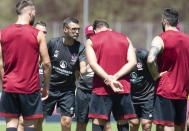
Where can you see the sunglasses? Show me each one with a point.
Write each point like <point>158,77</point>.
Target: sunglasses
<point>73,29</point>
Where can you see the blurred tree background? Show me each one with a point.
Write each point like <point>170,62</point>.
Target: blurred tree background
<point>111,10</point>
<point>123,15</point>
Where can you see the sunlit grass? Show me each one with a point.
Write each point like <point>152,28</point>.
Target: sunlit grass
<point>56,127</point>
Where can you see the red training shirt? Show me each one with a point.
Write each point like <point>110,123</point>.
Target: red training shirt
<point>111,51</point>
<point>174,59</point>
<point>20,55</point>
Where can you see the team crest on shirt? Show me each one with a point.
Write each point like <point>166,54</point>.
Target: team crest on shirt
<point>56,53</point>
<point>133,75</point>
<point>139,66</point>
<point>74,57</point>
<point>63,64</point>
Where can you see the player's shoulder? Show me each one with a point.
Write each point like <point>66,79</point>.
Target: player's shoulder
<point>120,35</point>
<point>31,27</point>
<point>116,33</point>
<point>7,27</point>
<point>184,34</point>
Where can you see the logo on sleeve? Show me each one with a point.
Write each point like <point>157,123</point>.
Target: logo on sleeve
<point>63,64</point>
<point>133,75</point>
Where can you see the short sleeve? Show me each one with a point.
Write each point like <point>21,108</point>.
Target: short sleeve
<point>82,55</point>
<point>49,46</point>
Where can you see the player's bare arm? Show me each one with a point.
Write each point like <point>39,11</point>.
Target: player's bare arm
<point>45,61</point>
<point>156,48</point>
<point>131,58</point>
<point>91,57</point>
<point>1,59</point>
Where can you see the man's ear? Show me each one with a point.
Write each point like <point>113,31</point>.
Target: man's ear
<point>165,22</point>
<point>29,13</point>
<point>65,29</point>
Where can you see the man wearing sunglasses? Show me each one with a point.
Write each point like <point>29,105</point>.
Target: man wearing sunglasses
<point>65,54</point>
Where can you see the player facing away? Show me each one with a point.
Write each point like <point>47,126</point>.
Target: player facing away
<point>41,26</point>
<point>111,56</point>
<point>142,91</point>
<point>21,45</point>
<point>65,54</point>
<point>84,89</point>
<point>171,49</point>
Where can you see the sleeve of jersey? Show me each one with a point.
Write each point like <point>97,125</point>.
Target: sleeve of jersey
<point>49,44</point>
<point>82,56</point>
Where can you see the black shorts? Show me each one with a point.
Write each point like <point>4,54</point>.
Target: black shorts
<point>63,100</point>
<point>82,105</point>
<point>16,104</point>
<point>169,112</point>
<point>144,110</point>
<point>120,105</point>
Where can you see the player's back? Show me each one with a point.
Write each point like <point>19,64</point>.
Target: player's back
<point>111,52</point>
<point>20,55</point>
<point>174,59</point>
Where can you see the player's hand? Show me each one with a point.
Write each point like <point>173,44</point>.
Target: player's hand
<point>108,80</point>
<point>112,82</point>
<point>159,75</point>
<point>44,94</point>
<point>116,86</point>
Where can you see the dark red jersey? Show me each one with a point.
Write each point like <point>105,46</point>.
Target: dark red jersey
<point>20,55</point>
<point>111,52</point>
<point>174,59</point>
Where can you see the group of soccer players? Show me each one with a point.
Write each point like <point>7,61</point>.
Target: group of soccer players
<point>113,77</point>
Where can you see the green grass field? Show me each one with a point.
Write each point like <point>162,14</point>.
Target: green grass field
<point>57,127</point>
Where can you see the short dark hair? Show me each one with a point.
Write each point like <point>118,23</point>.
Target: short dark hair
<point>21,4</point>
<point>171,15</point>
<point>99,24</point>
<point>68,20</point>
<point>40,23</point>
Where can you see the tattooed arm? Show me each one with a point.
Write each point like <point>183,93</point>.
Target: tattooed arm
<point>156,48</point>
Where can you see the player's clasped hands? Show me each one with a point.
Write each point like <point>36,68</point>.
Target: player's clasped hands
<point>113,83</point>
